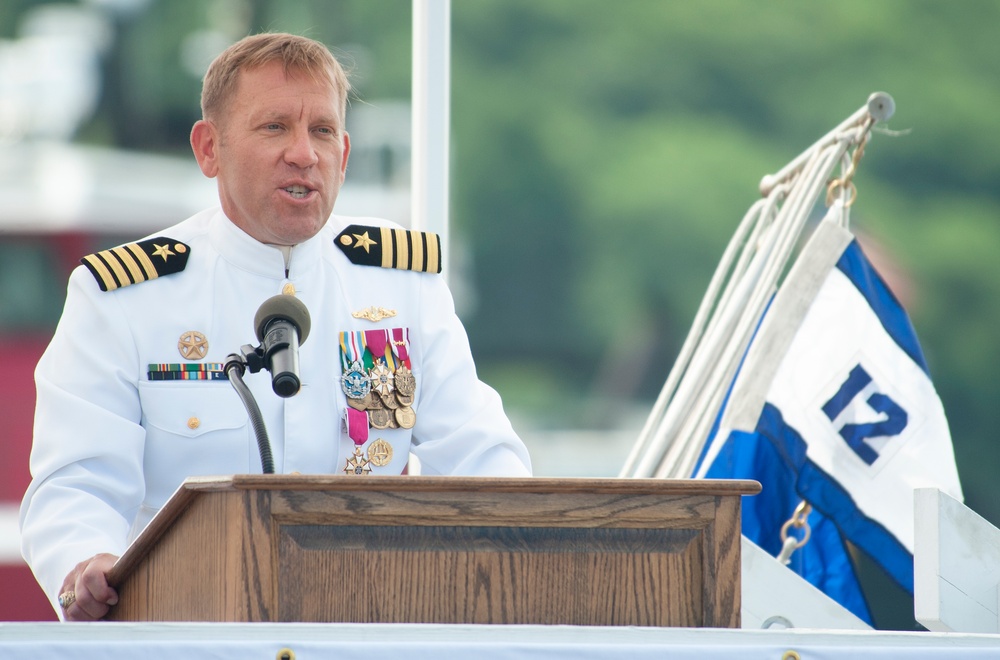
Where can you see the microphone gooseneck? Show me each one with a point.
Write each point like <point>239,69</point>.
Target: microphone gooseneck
<point>281,323</point>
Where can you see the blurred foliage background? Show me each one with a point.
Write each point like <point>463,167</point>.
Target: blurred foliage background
<point>603,153</point>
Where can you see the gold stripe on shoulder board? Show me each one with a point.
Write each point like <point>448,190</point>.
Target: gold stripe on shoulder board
<point>132,263</point>
<point>387,247</point>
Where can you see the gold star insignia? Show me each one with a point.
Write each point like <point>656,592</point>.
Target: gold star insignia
<point>364,241</point>
<point>162,251</point>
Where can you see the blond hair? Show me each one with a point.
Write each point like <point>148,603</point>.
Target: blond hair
<point>296,54</point>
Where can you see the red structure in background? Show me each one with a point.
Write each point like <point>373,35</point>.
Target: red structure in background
<point>33,276</point>
<point>18,354</point>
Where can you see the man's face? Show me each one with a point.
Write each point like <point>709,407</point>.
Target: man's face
<point>279,151</point>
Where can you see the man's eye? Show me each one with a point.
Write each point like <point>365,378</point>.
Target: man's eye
<point>272,127</point>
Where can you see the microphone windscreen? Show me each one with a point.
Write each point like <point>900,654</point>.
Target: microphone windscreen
<point>283,307</point>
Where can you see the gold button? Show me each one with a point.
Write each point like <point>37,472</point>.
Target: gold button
<point>194,423</point>
<point>288,289</point>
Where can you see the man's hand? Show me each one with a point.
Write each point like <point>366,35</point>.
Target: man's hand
<point>85,594</point>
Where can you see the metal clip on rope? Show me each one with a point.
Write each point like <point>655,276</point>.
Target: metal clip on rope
<point>845,184</point>
<point>790,544</point>
<point>879,108</point>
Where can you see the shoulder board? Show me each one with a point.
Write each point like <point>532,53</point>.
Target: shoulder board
<point>391,248</point>
<point>137,262</point>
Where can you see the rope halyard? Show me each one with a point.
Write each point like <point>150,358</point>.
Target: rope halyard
<point>675,440</point>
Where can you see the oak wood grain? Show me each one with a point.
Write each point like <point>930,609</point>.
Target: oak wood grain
<point>441,550</point>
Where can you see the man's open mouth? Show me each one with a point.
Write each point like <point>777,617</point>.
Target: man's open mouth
<point>298,192</point>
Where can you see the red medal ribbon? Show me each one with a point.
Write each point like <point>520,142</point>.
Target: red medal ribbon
<point>376,341</point>
<point>401,345</point>
<point>357,426</point>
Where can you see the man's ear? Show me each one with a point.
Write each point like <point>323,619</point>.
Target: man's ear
<point>205,145</point>
<point>347,153</point>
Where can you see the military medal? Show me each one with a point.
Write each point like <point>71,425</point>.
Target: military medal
<point>364,403</point>
<point>354,378</point>
<point>380,418</point>
<point>405,381</point>
<point>405,417</point>
<point>380,453</point>
<point>381,379</point>
<point>358,463</point>
<point>380,388</point>
<point>356,422</point>
<point>355,381</point>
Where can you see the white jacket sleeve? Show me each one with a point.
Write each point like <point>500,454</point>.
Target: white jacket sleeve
<point>461,427</point>
<point>86,461</point>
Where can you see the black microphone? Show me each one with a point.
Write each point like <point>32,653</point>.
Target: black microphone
<point>282,324</point>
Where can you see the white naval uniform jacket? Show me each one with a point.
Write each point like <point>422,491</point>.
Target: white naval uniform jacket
<point>111,445</point>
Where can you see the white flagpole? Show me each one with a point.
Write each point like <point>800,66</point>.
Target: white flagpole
<point>431,118</point>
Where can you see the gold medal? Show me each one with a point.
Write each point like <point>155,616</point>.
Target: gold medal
<point>380,453</point>
<point>405,381</point>
<point>403,400</point>
<point>405,417</point>
<point>380,418</point>
<point>389,400</point>
<point>364,403</point>
<point>358,463</point>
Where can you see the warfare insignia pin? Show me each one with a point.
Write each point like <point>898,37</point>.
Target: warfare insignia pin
<point>374,314</point>
<point>193,345</point>
<point>380,453</point>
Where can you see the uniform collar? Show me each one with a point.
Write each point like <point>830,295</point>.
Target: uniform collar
<point>246,252</point>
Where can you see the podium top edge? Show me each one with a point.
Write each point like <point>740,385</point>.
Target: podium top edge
<point>416,483</point>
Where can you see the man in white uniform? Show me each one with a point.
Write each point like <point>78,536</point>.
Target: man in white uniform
<point>132,394</point>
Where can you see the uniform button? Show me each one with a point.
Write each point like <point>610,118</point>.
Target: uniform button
<point>288,289</point>
<point>194,423</point>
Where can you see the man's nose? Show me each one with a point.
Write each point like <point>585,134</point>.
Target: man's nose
<point>300,150</point>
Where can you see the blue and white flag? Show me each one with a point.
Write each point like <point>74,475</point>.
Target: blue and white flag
<point>834,405</point>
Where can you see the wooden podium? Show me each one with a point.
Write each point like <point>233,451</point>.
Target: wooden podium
<point>414,549</point>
